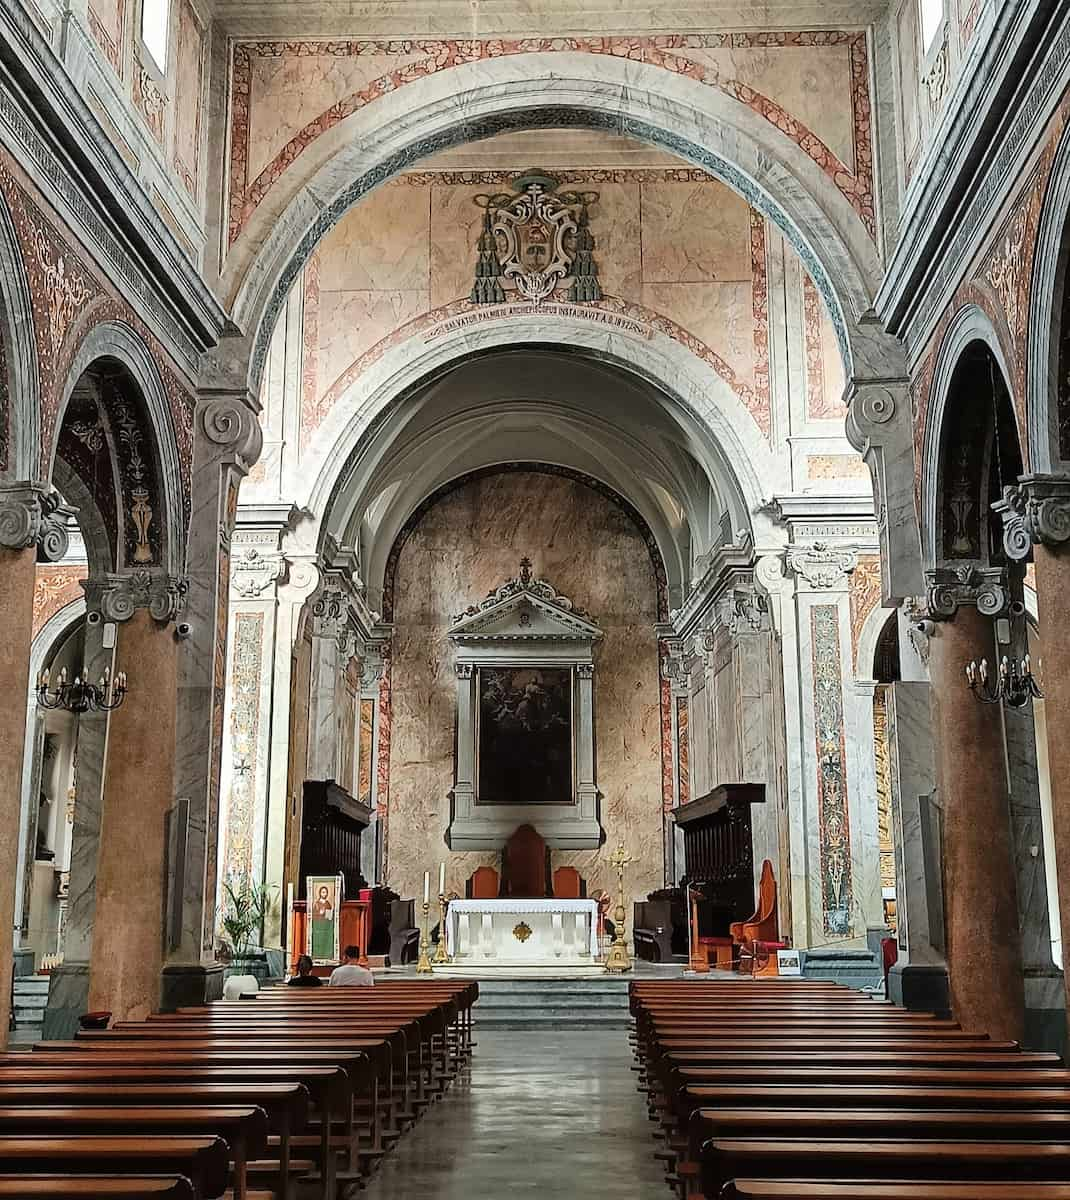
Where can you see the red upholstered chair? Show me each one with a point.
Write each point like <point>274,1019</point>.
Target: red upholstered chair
<point>483,885</point>
<point>763,926</point>
<point>568,885</point>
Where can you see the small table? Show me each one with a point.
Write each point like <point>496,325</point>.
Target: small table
<point>523,932</point>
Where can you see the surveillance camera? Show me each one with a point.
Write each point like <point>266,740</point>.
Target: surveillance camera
<point>1017,608</point>
<point>926,628</point>
<point>183,630</point>
<point>93,618</point>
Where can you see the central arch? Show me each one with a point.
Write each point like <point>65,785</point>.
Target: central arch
<point>542,90</point>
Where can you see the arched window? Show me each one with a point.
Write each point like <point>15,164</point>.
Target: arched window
<point>155,18</point>
<point>932,18</point>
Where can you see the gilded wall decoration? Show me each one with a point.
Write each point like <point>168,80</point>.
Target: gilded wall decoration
<point>150,101</point>
<point>54,587</point>
<point>865,594</point>
<point>245,684</point>
<point>833,814</point>
<point>84,445</point>
<point>131,440</point>
<point>365,751</point>
<point>710,59</point>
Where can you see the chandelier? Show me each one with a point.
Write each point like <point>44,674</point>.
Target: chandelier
<point>1013,685</point>
<point>81,695</point>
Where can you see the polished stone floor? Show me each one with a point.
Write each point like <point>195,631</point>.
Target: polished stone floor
<point>537,1114</point>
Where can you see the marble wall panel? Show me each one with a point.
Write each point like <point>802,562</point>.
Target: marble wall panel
<point>380,244</point>
<point>189,88</point>
<point>291,84</point>
<point>107,24</point>
<point>467,543</point>
<point>694,233</point>
<point>719,314</point>
<point>808,81</point>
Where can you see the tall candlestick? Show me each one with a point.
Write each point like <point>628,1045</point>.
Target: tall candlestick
<point>427,887</point>
<point>441,878</point>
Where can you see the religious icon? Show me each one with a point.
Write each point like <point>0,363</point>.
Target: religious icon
<point>325,895</point>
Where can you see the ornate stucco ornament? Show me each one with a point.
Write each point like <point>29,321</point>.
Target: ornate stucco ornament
<point>524,582</point>
<point>1035,512</point>
<point>254,571</point>
<point>533,241</point>
<point>822,565</point>
<point>950,587</point>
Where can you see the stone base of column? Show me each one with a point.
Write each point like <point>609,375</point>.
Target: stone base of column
<point>920,988</point>
<point>184,985</point>
<point>68,999</point>
<point>1045,1010</point>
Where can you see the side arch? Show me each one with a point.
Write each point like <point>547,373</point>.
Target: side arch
<point>116,340</point>
<point>20,386</point>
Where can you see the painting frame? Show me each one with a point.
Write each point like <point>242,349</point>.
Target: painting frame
<point>324,932</point>
<point>505,777</point>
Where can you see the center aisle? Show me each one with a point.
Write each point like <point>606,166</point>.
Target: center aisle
<point>540,1114</point>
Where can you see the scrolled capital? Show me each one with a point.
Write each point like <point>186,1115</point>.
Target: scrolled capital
<point>229,422</point>
<point>949,588</point>
<point>1035,512</point>
<point>31,514</point>
<point>118,596</point>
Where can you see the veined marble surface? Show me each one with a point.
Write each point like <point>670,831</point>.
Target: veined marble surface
<point>553,1116</point>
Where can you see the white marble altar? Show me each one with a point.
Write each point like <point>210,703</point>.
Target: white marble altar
<point>514,932</point>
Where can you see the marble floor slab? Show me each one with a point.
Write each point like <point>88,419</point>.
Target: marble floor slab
<point>553,1115</point>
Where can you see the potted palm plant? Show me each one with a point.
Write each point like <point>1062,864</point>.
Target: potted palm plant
<point>245,905</point>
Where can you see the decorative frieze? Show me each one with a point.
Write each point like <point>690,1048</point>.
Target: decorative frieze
<point>33,515</point>
<point>118,597</point>
<point>1035,512</point>
<point>822,565</point>
<point>984,588</point>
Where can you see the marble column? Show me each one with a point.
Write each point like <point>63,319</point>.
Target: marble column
<point>1036,515</point>
<point>30,518</point>
<point>984,952</point>
<point>226,443</point>
<point>132,859</point>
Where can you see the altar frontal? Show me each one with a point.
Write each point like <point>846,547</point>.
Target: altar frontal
<point>516,932</point>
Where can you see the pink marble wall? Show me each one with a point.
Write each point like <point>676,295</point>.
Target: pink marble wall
<point>678,251</point>
<point>189,85</point>
<point>469,542</point>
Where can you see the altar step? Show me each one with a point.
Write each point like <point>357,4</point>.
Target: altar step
<point>600,1003</point>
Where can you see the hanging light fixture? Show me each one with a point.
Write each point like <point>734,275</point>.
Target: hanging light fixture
<point>1013,684</point>
<point>81,695</point>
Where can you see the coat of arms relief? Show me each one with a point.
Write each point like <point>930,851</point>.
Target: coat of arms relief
<point>534,241</point>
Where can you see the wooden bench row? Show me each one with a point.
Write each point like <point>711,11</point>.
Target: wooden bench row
<point>293,1094</point>
<point>808,1090</point>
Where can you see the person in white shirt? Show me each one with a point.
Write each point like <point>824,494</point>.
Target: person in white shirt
<point>351,973</point>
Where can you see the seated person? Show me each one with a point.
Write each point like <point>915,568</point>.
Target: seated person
<point>351,973</point>
<point>304,976</point>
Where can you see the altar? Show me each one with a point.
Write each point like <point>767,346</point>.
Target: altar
<point>522,933</point>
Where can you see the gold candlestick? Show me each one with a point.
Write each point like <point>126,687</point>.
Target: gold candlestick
<point>618,960</point>
<point>423,966</point>
<point>441,954</point>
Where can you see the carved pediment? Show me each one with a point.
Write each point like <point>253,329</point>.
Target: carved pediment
<point>524,609</point>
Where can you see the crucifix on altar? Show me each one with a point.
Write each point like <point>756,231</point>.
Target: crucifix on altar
<point>618,960</point>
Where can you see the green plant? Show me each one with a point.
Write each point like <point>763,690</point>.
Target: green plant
<point>245,905</point>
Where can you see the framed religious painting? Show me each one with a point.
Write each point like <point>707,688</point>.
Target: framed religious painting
<point>525,742</point>
<point>324,925</point>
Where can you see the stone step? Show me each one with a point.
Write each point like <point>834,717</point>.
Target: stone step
<point>551,1021</point>
<point>30,999</point>
<point>538,1000</point>
<point>32,985</point>
<point>29,1016</point>
<point>615,987</point>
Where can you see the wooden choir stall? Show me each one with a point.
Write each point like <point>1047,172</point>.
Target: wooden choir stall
<point>334,915</point>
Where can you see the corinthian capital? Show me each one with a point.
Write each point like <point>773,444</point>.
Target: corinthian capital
<point>118,597</point>
<point>1035,512</point>
<point>984,588</point>
<point>31,514</point>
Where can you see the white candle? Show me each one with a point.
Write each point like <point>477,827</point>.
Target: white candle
<point>441,878</point>
<point>427,887</point>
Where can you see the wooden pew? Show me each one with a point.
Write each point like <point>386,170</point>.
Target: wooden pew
<point>764,1189</point>
<point>96,1187</point>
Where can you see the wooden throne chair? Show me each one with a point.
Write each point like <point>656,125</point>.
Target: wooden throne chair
<point>762,930</point>
<point>526,865</point>
<point>569,885</point>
